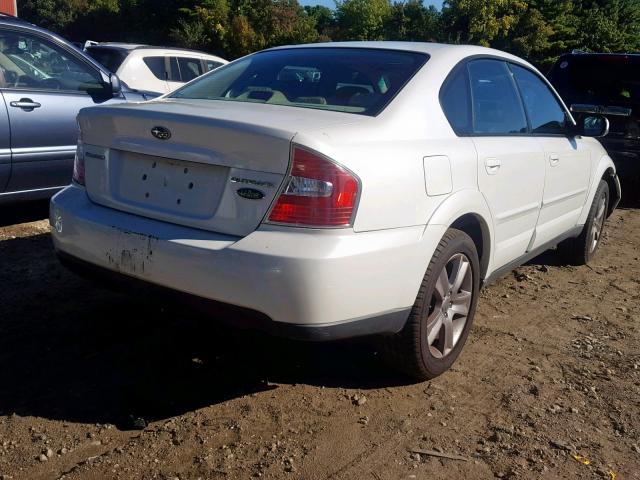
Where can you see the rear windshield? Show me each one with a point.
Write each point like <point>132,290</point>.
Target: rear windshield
<point>111,58</point>
<point>353,80</point>
<point>598,79</point>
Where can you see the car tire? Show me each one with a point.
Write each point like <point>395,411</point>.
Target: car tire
<point>440,320</point>
<point>580,250</point>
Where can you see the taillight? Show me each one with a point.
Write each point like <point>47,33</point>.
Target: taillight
<point>78,165</point>
<point>318,193</point>
<point>78,161</point>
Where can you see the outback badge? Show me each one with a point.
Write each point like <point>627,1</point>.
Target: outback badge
<point>250,193</point>
<point>161,133</point>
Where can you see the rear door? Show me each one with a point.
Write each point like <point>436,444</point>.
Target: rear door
<point>510,162</point>
<point>567,161</point>
<point>44,88</point>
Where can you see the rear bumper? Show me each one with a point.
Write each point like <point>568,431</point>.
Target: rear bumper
<point>300,283</point>
<point>241,317</point>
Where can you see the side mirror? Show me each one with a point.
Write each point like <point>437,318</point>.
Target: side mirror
<point>116,85</point>
<point>594,125</point>
<point>591,125</point>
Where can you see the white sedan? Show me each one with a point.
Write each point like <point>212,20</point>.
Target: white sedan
<point>338,190</point>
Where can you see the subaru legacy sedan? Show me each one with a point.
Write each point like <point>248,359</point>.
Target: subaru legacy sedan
<point>338,190</point>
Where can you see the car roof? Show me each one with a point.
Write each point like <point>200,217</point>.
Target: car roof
<point>118,45</point>
<point>578,53</point>
<point>434,50</point>
<point>135,46</point>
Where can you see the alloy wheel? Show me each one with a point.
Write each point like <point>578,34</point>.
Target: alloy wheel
<point>449,306</point>
<point>598,224</point>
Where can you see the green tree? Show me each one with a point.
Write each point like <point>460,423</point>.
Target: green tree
<point>324,21</point>
<point>203,27</point>
<point>608,25</point>
<point>362,19</point>
<point>412,21</point>
<point>481,21</point>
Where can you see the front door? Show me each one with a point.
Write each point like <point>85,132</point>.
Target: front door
<point>44,87</point>
<point>567,161</point>
<point>511,167</point>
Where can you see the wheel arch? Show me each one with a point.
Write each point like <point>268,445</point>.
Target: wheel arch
<point>605,170</point>
<point>476,227</point>
<point>615,191</point>
<point>467,210</point>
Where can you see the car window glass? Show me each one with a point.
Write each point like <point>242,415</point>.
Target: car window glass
<point>174,70</point>
<point>111,58</point>
<point>31,62</point>
<point>157,67</point>
<point>353,80</point>
<point>497,109</point>
<point>190,68</point>
<point>211,65</point>
<point>456,102</point>
<point>545,112</point>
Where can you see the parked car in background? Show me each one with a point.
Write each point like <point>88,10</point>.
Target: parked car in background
<point>340,190</point>
<point>153,68</point>
<point>44,82</point>
<point>607,84</point>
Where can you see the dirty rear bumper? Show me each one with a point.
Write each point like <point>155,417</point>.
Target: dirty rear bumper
<point>235,316</point>
<point>303,283</point>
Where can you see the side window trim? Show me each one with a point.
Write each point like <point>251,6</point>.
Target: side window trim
<point>464,64</point>
<point>79,58</point>
<point>167,68</point>
<point>170,77</point>
<point>516,86</point>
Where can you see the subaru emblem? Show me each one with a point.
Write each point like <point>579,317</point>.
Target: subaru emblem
<point>161,133</point>
<point>250,193</point>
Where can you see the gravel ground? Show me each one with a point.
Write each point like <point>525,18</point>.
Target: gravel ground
<point>98,385</point>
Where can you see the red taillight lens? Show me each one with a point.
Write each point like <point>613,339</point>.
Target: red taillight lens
<point>318,193</point>
<point>78,165</point>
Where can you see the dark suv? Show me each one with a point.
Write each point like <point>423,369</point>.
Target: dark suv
<point>608,84</point>
<point>44,82</point>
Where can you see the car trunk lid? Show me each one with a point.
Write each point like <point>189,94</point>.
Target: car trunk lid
<point>210,166</point>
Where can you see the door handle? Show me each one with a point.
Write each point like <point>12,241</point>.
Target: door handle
<point>25,104</point>
<point>554,159</point>
<point>492,165</point>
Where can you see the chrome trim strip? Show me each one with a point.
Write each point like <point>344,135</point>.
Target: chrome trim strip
<point>35,154</point>
<point>18,192</point>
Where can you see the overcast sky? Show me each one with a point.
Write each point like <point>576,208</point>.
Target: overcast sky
<point>331,3</point>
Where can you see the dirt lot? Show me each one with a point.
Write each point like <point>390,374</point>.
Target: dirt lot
<point>552,370</point>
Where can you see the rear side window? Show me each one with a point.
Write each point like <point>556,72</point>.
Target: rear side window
<point>111,58</point>
<point>211,65</point>
<point>157,67</point>
<point>353,80</point>
<point>456,102</point>
<point>190,68</point>
<point>545,112</point>
<point>497,109</point>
